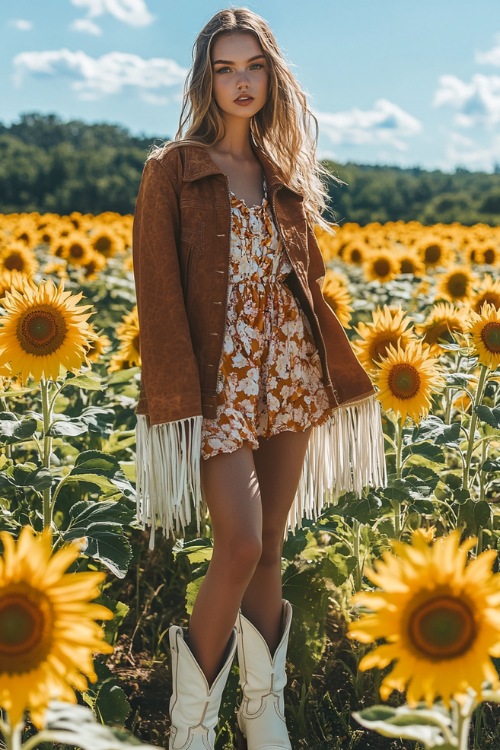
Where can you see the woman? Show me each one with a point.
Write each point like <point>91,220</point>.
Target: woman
<point>245,369</point>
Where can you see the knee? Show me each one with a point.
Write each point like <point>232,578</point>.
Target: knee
<point>240,556</point>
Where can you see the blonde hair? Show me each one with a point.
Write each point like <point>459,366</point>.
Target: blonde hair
<point>282,128</point>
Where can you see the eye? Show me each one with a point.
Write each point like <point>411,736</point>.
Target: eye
<point>258,65</point>
<point>221,70</point>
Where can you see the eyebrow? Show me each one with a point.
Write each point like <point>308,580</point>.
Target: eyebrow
<point>231,62</point>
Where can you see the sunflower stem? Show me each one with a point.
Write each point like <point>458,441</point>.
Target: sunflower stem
<point>399,470</point>
<point>472,425</point>
<point>47,448</point>
<point>357,572</point>
<point>12,735</point>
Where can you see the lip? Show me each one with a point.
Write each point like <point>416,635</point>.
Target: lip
<point>244,101</point>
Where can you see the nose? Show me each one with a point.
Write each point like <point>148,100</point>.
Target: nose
<point>242,82</point>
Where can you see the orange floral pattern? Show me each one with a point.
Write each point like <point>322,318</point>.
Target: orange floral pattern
<point>270,374</point>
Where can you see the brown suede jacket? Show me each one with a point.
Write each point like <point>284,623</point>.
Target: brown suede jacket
<point>181,239</point>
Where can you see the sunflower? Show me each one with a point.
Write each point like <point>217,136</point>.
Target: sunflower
<point>128,354</point>
<point>98,347</point>
<point>488,291</point>
<point>455,285</point>
<point>388,326</point>
<point>339,300</point>
<point>76,249</point>
<point>105,242</point>
<point>485,331</point>
<point>442,322</point>
<point>18,257</point>
<point>406,380</point>
<point>435,252</point>
<point>48,631</point>
<point>438,616</point>
<point>490,254</point>
<point>410,262</point>
<point>381,265</point>
<point>43,329</point>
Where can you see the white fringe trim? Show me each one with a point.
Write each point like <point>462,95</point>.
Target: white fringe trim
<point>345,454</point>
<point>168,479</point>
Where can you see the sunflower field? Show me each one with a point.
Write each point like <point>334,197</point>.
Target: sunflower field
<point>397,592</point>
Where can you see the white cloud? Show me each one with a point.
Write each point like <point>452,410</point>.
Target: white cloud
<point>87,26</point>
<point>385,123</point>
<point>95,78</point>
<point>21,24</point>
<point>133,12</point>
<point>476,103</point>
<point>492,57</point>
<point>465,152</point>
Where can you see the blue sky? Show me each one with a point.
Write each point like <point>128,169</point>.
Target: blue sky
<point>407,82</point>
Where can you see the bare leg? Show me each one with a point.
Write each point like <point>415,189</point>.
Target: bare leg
<point>231,490</point>
<point>278,462</point>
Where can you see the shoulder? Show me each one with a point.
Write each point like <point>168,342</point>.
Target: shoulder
<point>172,158</point>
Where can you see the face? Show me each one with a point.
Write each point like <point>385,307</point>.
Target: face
<point>239,70</point>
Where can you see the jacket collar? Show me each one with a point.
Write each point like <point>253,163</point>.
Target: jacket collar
<point>198,163</point>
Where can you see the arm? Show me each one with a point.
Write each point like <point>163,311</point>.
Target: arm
<point>169,416</point>
<point>170,377</point>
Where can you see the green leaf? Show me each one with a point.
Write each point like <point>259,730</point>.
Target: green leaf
<point>459,379</point>
<point>482,513</point>
<point>338,567</point>
<point>102,524</point>
<point>432,727</point>
<point>102,482</point>
<point>14,430</point>
<point>491,464</point>
<point>88,382</point>
<point>433,429</point>
<point>488,415</point>
<point>111,704</point>
<point>96,462</point>
<point>429,450</point>
<point>63,425</point>
<point>75,725</point>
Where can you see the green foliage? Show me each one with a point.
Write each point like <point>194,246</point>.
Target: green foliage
<point>51,165</point>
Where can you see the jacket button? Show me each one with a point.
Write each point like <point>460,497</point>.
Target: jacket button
<point>217,303</point>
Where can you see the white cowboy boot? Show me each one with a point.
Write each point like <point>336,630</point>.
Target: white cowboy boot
<point>261,716</point>
<point>194,706</point>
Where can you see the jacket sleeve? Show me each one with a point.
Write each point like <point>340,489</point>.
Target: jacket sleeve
<point>170,377</point>
<point>169,415</point>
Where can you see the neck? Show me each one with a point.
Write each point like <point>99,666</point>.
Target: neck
<point>236,141</point>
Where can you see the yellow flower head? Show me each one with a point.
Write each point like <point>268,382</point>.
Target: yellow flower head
<point>406,380</point>
<point>455,285</point>
<point>381,265</point>
<point>442,322</point>
<point>410,262</point>
<point>339,299</point>
<point>439,618</point>
<point>17,256</point>
<point>488,291</point>
<point>128,354</point>
<point>48,631</point>
<point>485,332</point>
<point>388,326</point>
<point>435,252</point>
<point>43,329</point>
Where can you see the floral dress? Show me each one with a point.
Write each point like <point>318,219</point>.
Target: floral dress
<point>270,374</point>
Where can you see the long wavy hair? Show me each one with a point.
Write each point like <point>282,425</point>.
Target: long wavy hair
<point>285,128</point>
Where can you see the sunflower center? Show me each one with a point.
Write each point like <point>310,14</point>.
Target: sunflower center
<point>14,262</point>
<point>432,253</point>
<point>76,250</point>
<point>489,256</point>
<point>135,343</point>
<point>439,332</point>
<point>42,330</point>
<point>382,267</point>
<point>102,244</point>
<point>443,628</point>
<point>457,284</point>
<point>490,336</point>
<point>24,626</point>
<point>356,256</point>
<point>407,265</point>
<point>488,297</point>
<point>404,381</point>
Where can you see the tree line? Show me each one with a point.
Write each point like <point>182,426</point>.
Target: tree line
<point>47,164</point>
